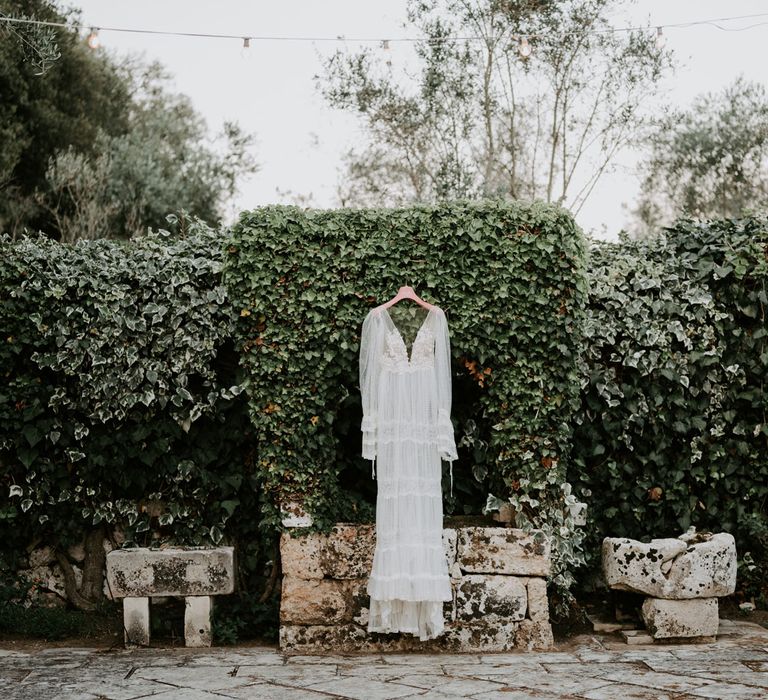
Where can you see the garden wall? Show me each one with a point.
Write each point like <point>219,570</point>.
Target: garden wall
<point>672,430</point>
<point>511,280</point>
<point>498,579</point>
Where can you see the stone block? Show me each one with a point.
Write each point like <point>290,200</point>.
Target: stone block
<point>450,537</point>
<point>538,602</point>
<point>672,568</point>
<point>301,555</point>
<point>533,635</point>
<point>636,637</point>
<point>666,619</point>
<point>503,550</point>
<point>293,514</point>
<point>41,556</point>
<point>345,552</point>
<point>489,634</point>
<point>177,571</point>
<point>136,621</point>
<point>197,621</point>
<point>472,636</point>
<point>348,551</point>
<point>482,595</point>
<point>322,601</point>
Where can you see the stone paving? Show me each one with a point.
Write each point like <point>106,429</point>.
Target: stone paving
<point>592,667</point>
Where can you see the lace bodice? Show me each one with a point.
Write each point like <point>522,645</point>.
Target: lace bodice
<point>383,352</point>
<point>422,353</point>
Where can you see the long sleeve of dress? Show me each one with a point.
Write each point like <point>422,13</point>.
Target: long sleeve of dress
<point>445,436</point>
<point>369,376</point>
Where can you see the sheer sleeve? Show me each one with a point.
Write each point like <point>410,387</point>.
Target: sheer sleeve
<point>370,367</point>
<point>445,437</point>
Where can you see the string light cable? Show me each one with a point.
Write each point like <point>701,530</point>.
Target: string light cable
<point>93,37</point>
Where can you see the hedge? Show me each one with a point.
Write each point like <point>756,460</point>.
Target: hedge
<point>511,280</point>
<point>121,405</point>
<point>125,363</point>
<point>672,430</point>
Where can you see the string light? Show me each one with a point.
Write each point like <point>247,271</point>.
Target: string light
<point>660,38</point>
<point>246,42</point>
<point>93,39</point>
<point>93,36</point>
<point>524,49</point>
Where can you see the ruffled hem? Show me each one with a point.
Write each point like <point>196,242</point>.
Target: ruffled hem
<point>421,617</point>
<point>411,588</point>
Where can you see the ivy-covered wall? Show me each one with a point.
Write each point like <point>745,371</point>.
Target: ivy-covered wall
<point>511,280</point>
<point>120,402</point>
<point>673,426</point>
<point>124,363</point>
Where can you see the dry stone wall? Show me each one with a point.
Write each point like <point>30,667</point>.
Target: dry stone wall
<point>498,578</point>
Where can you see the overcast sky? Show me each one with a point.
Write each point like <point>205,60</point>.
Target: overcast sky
<point>270,90</point>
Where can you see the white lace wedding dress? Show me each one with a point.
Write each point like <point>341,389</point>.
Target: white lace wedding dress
<point>407,430</point>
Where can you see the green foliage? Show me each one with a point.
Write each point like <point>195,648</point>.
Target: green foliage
<point>672,431</point>
<point>80,95</point>
<point>710,157</point>
<point>54,623</point>
<point>110,358</point>
<point>121,403</point>
<point>510,278</point>
<point>98,148</point>
<point>476,119</point>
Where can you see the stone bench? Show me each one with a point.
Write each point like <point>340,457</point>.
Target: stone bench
<point>498,578</point>
<point>682,576</point>
<point>196,573</point>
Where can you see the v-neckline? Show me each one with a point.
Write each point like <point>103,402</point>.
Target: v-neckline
<point>408,354</point>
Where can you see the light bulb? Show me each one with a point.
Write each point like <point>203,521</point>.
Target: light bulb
<point>660,38</point>
<point>93,39</point>
<point>524,49</point>
<point>385,46</point>
<point>245,52</point>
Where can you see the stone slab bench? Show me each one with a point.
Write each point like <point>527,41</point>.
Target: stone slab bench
<point>194,573</point>
<point>498,579</point>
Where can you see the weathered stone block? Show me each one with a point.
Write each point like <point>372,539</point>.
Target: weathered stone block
<point>533,635</point>
<point>503,550</point>
<point>538,603</point>
<point>178,571</point>
<point>681,618</point>
<point>450,539</point>
<point>42,556</point>
<point>136,621</point>
<point>672,568</point>
<point>473,636</point>
<point>322,601</point>
<point>197,621</point>
<point>346,552</point>
<point>481,595</point>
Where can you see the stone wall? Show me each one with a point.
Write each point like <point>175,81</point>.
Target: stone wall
<point>41,569</point>
<point>498,578</point>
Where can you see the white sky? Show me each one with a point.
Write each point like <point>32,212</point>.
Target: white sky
<point>299,140</point>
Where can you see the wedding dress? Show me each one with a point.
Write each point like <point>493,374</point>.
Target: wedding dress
<point>406,432</point>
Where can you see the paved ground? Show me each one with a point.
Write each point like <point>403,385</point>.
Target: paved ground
<point>593,667</point>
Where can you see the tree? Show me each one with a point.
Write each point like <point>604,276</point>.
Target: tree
<point>80,95</point>
<point>707,161</point>
<point>480,118</point>
<point>99,147</point>
<point>162,164</point>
